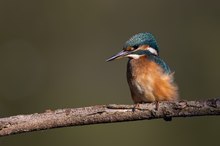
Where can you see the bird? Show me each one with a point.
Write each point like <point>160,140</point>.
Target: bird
<point>150,79</point>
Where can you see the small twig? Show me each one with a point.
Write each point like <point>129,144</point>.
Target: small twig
<point>106,114</point>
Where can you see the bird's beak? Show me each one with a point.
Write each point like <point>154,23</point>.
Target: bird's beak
<point>121,54</point>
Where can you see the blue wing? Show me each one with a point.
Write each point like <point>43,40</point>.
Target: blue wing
<point>160,62</point>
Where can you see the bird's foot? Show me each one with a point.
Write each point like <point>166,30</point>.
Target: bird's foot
<point>136,106</point>
<point>166,118</point>
<point>156,105</point>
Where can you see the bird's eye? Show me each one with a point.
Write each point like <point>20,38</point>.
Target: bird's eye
<point>135,46</point>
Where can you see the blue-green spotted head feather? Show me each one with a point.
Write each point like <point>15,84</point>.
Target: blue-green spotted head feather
<point>144,38</point>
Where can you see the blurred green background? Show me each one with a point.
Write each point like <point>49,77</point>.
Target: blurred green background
<point>52,55</point>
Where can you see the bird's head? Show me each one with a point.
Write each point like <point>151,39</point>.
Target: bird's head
<point>138,45</point>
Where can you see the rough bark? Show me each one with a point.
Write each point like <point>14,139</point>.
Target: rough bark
<point>106,114</point>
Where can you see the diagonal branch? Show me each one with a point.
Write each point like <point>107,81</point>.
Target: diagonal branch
<point>106,114</point>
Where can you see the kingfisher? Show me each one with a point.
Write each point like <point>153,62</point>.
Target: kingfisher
<point>149,77</point>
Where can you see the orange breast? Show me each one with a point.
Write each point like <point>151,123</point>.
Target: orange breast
<point>148,82</point>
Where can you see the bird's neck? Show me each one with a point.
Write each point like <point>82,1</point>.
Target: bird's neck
<point>145,59</point>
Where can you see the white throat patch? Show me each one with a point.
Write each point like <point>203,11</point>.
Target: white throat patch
<point>134,56</point>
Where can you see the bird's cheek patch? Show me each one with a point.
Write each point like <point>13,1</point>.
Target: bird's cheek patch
<point>152,50</point>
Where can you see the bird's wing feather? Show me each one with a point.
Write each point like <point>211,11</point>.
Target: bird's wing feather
<point>160,62</point>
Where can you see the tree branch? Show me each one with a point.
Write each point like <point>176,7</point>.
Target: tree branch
<point>106,114</point>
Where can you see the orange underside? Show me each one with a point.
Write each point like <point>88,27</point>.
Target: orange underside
<point>153,84</point>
